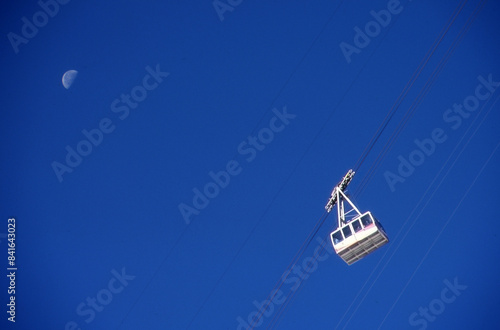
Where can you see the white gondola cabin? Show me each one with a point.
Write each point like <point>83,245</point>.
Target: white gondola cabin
<point>357,236</point>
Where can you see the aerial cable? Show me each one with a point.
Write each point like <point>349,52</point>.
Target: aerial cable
<point>474,15</point>
<point>309,239</point>
<point>409,113</point>
<point>342,184</point>
<point>292,264</point>
<point>282,309</point>
<point>407,87</point>
<point>457,41</point>
<point>418,100</point>
<point>455,44</point>
<point>371,144</point>
<point>425,199</point>
<point>379,132</point>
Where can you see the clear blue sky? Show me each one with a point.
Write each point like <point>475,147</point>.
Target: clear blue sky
<point>104,245</point>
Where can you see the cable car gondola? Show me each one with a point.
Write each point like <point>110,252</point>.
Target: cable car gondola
<point>357,236</point>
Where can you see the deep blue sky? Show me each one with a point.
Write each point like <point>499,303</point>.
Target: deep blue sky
<point>118,210</point>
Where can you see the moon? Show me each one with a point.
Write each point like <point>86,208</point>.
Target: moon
<point>68,78</point>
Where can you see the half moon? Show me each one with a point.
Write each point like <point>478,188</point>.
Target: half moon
<point>68,78</point>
